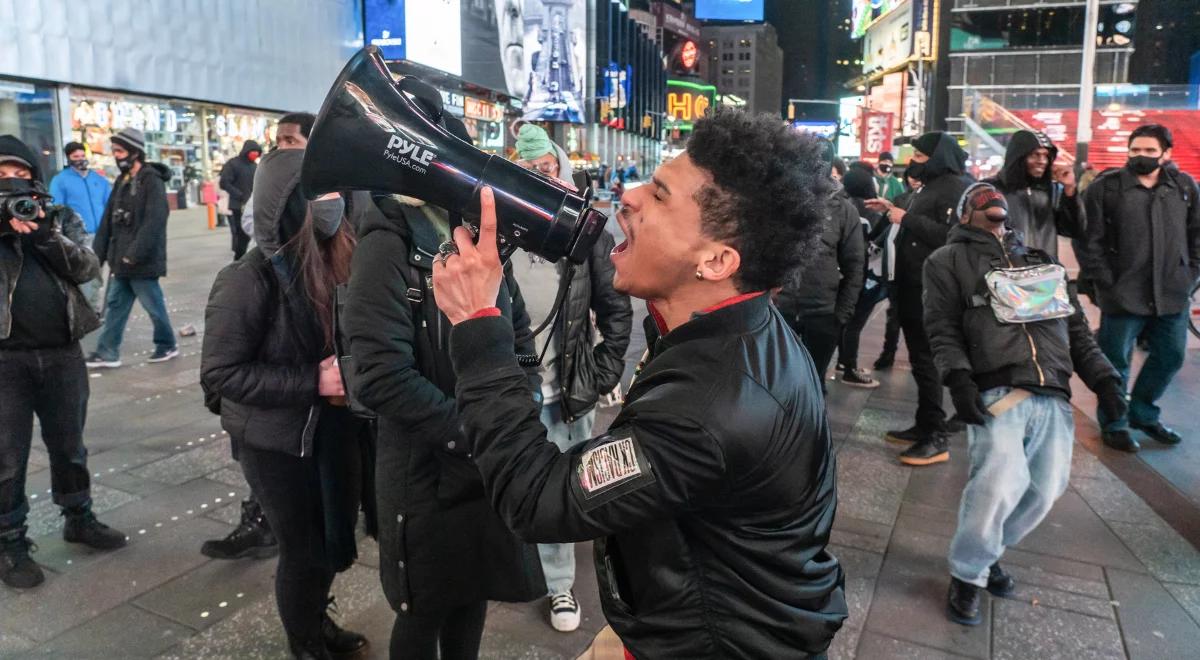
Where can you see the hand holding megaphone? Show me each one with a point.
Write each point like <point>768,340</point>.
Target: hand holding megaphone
<point>466,279</point>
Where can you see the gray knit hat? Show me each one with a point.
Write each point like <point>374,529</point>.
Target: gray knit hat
<point>131,139</point>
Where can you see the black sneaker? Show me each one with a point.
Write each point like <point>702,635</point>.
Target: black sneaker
<point>17,569</point>
<point>251,538</point>
<point>1163,434</point>
<point>82,527</point>
<point>934,450</point>
<point>859,378</point>
<point>1000,584</point>
<point>161,355</point>
<point>906,437</point>
<point>94,361</point>
<point>962,603</point>
<point>1121,440</point>
<point>339,642</point>
<point>885,361</point>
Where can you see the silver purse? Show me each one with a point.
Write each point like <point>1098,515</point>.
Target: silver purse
<point>1029,294</point>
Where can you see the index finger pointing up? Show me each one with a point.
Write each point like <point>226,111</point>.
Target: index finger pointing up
<point>487,224</point>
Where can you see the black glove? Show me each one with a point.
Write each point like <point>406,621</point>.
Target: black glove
<point>1111,399</point>
<point>968,404</point>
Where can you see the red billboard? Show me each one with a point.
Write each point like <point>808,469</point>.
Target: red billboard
<point>876,134</point>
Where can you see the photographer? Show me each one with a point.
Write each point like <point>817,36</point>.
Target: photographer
<point>575,371</point>
<point>443,552</point>
<point>712,495</point>
<point>43,315</point>
<point>133,240</point>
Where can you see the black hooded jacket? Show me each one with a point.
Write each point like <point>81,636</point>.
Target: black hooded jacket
<point>1039,209</point>
<point>133,232</point>
<point>710,498</point>
<point>831,281</point>
<point>965,334</point>
<point>237,176</point>
<point>58,249</point>
<point>929,215</point>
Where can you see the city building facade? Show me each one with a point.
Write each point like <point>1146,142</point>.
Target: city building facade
<point>745,60</point>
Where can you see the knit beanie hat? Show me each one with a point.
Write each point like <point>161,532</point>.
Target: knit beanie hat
<point>131,139</point>
<point>533,142</point>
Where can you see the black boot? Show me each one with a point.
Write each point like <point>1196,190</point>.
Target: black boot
<point>308,649</point>
<point>962,603</point>
<point>82,527</point>
<point>906,437</point>
<point>935,449</point>
<point>885,361</point>
<point>1000,584</point>
<point>339,642</point>
<point>17,569</point>
<point>1163,434</point>
<point>251,538</point>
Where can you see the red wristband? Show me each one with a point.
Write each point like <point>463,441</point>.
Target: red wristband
<point>486,312</point>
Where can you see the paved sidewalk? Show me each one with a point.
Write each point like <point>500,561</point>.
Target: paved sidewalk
<point>1104,577</point>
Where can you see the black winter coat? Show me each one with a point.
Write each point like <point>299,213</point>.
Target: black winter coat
<point>61,246</point>
<point>237,176</point>
<point>1039,209</point>
<point>832,279</point>
<point>1141,247</point>
<point>132,236</point>
<point>929,215</point>
<point>440,544</point>
<point>587,370</point>
<point>965,334</point>
<point>260,355</point>
<point>711,497</point>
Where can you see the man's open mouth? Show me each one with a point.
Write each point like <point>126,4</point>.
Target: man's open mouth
<point>621,247</point>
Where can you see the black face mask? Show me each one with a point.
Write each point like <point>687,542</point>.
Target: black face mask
<point>885,168</point>
<point>1142,165</point>
<point>125,164</point>
<point>79,164</point>
<point>916,171</point>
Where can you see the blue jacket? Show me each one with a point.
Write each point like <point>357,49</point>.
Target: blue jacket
<point>87,195</point>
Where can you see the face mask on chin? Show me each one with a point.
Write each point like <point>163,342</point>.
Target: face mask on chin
<point>1142,165</point>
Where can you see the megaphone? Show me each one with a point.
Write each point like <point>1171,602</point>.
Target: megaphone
<point>370,135</point>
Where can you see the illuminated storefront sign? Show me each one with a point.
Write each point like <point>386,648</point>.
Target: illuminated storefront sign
<point>688,101</point>
<point>483,110</point>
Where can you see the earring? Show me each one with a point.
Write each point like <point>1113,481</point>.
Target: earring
<point>699,275</point>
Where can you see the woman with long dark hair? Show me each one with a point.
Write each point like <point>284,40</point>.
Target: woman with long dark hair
<point>268,354</point>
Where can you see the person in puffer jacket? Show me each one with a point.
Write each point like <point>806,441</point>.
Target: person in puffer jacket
<point>1009,377</point>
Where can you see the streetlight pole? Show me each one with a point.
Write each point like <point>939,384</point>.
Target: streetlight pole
<point>1087,89</point>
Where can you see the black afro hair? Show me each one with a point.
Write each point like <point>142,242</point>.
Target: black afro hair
<point>769,194</point>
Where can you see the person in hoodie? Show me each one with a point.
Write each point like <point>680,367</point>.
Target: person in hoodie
<point>878,234</point>
<point>818,300</point>
<point>87,193</point>
<point>444,553</point>
<point>43,315</point>
<point>133,240</point>
<point>939,163</point>
<point>1008,368</point>
<point>576,371</point>
<point>237,180</point>
<point>268,355</point>
<point>1042,199</point>
<point>891,331</point>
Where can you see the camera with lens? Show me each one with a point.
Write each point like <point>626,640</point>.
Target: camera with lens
<point>21,199</point>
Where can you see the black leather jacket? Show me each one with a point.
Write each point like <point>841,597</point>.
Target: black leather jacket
<point>965,333</point>
<point>711,496</point>
<point>62,246</point>
<point>587,371</point>
<point>832,279</point>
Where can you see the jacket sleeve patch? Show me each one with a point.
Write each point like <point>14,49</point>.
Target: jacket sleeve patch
<point>611,467</point>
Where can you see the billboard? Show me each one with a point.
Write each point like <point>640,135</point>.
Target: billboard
<point>889,42</point>
<point>865,12</point>
<point>849,107</point>
<point>876,134</point>
<point>555,56</point>
<point>399,29</point>
<point>818,127</point>
<point>688,101</point>
<point>729,10</point>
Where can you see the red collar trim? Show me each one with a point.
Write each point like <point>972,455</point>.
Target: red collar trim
<point>728,302</point>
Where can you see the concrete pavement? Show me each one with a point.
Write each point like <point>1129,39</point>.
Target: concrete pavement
<point>1104,577</point>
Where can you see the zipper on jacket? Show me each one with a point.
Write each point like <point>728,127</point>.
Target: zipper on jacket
<point>1032,345</point>
<point>304,432</point>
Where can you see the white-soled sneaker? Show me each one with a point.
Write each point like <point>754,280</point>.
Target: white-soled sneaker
<point>94,361</point>
<point>163,356</point>
<point>564,612</point>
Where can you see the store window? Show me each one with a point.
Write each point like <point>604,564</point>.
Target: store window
<point>27,111</point>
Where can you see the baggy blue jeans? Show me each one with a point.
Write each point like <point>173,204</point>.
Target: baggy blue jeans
<point>122,291</point>
<point>1020,464</point>
<point>1167,336</point>
<point>558,559</point>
